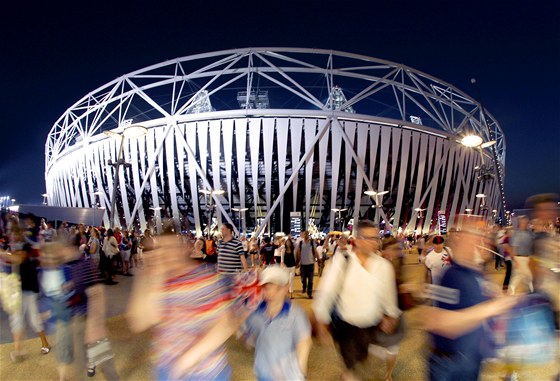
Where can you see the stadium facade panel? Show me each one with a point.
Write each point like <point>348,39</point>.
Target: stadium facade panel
<point>280,130</point>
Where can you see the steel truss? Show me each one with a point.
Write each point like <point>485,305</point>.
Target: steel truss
<point>186,141</point>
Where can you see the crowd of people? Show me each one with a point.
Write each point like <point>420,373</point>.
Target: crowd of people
<point>204,289</point>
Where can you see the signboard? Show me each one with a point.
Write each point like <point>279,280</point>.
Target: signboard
<point>442,222</point>
<point>295,223</point>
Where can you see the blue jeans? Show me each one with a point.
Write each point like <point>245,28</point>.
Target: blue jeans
<point>307,273</point>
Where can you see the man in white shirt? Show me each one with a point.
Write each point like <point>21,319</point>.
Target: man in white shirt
<point>358,299</point>
<point>437,260</point>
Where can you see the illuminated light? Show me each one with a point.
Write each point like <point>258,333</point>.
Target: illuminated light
<point>135,131</point>
<point>488,144</point>
<point>374,193</point>
<point>471,141</point>
<point>239,209</point>
<point>480,195</point>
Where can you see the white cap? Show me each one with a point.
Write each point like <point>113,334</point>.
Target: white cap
<point>275,274</point>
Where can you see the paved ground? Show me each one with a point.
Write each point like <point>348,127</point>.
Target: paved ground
<point>133,363</point>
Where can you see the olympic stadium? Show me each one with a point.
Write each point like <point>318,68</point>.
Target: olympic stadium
<point>256,136</point>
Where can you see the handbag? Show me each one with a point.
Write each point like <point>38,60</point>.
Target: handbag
<point>10,292</point>
<point>99,352</point>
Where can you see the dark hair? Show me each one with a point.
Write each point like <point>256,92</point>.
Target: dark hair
<point>109,232</point>
<point>390,241</point>
<point>228,226</point>
<point>541,199</point>
<point>365,224</point>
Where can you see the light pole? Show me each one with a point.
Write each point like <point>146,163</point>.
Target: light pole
<point>131,132</point>
<point>45,196</point>
<point>96,205</point>
<point>339,211</point>
<point>420,216</point>
<point>156,218</point>
<point>376,196</point>
<point>483,207</point>
<point>209,193</point>
<point>240,210</point>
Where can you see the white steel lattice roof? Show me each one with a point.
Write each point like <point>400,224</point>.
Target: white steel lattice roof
<point>293,79</point>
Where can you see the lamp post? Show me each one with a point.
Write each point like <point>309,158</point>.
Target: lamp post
<point>339,219</point>
<point>468,211</point>
<point>483,206</point>
<point>376,196</point>
<point>209,193</point>
<point>156,218</point>
<point>131,132</point>
<point>96,205</point>
<point>420,216</point>
<point>240,211</point>
<point>45,197</point>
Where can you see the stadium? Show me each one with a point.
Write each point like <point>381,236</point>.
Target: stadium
<point>266,137</point>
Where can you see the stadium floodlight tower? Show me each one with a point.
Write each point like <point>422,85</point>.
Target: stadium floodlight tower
<point>280,130</point>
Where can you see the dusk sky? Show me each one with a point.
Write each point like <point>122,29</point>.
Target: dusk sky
<point>53,55</point>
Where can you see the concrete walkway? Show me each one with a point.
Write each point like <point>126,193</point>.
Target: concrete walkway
<point>133,361</point>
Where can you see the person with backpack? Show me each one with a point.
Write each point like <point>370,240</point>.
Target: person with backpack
<point>267,252</point>
<point>306,255</point>
<point>210,251</point>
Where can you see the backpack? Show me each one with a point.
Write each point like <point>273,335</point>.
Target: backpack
<point>210,247</point>
<point>312,246</point>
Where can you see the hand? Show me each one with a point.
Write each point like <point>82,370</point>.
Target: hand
<point>323,335</point>
<point>388,324</point>
<point>502,304</point>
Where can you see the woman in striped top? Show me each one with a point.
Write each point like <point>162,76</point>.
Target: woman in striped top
<point>190,307</point>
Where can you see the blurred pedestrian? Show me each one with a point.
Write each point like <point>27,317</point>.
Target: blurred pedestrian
<point>521,247</point>
<point>306,256</point>
<point>189,306</point>
<point>463,304</point>
<point>25,265</point>
<point>76,303</point>
<point>358,300</point>
<point>279,330</point>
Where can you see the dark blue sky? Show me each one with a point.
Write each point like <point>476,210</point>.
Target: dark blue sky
<point>54,54</point>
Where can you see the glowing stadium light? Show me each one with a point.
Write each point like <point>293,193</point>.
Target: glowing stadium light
<point>471,141</point>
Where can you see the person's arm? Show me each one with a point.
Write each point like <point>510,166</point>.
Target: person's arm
<point>244,262</point>
<point>452,324</point>
<point>95,319</point>
<point>218,333</point>
<point>241,254</point>
<point>331,285</point>
<point>93,246</point>
<point>389,300</point>
<point>302,351</point>
<point>143,307</point>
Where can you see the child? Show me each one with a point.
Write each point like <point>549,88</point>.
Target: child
<point>279,330</point>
